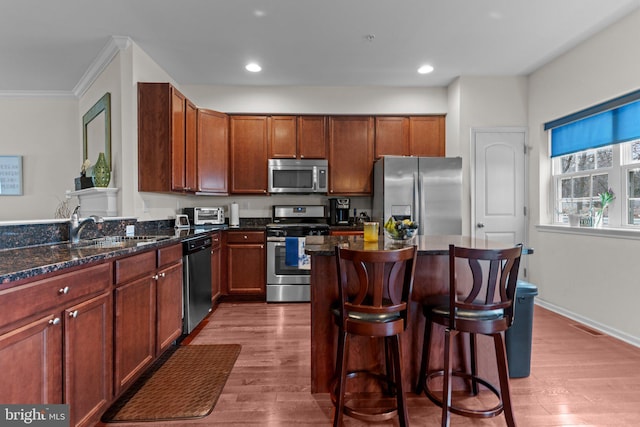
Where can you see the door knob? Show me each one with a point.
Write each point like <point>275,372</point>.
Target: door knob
<point>480,225</point>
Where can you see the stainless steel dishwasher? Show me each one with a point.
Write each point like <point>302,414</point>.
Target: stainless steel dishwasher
<point>197,281</point>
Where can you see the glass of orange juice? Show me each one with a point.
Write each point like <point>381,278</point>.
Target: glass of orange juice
<point>371,231</point>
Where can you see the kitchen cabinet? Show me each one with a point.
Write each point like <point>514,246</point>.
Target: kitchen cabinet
<point>301,137</point>
<point>88,352</point>
<point>56,338</point>
<point>216,270</point>
<point>410,136</point>
<point>135,317</point>
<point>427,136</point>
<point>168,297</point>
<point>283,140</point>
<point>212,152</point>
<point>312,137</point>
<point>148,310</point>
<point>351,140</point>
<point>248,138</point>
<point>246,263</point>
<point>166,139</point>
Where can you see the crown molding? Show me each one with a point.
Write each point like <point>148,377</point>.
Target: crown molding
<point>113,46</point>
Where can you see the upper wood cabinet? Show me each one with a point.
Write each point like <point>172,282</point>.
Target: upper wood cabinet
<point>426,136</point>
<point>298,137</point>
<point>312,137</point>
<point>166,139</point>
<point>350,155</point>
<point>248,137</point>
<point>410,136</point>
<point>392,136</point>
<point>213,152</point>
<point>283,138</point>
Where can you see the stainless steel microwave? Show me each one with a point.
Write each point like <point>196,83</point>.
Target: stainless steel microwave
<point>298,175</point>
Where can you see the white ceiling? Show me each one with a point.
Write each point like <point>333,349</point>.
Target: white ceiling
<point>48,45</point>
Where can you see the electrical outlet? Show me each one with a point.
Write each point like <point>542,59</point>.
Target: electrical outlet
<point>130,230</point>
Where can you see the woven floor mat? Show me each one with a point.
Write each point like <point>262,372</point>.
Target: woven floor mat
<point>185,382</point>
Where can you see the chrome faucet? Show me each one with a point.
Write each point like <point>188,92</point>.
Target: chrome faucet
<point>76,225</point>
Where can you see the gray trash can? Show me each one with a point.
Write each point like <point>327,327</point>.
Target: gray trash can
<point>518,336</point>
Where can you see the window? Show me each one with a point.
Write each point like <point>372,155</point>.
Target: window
<point>595,150</point>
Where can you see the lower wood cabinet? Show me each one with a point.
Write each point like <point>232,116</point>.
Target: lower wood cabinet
<point>246,263</point>
<point>148,310</point>
<point>88,356</point>
<point>216,267</point>
<point>56,337</point>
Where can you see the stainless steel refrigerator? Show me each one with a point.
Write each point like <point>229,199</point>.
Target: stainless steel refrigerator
<point>424,189</point>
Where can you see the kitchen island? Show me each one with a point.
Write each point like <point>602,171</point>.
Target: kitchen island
<point>431,278</point>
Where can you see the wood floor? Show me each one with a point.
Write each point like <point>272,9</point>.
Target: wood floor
<point>578,377</point>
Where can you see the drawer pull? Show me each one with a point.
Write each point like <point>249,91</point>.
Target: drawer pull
<point>54,321</point>
<point>73,314</point>
<point>245,236</point>
<point>63,291</point>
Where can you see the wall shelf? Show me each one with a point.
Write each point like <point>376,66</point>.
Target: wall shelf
<point>99,201</point>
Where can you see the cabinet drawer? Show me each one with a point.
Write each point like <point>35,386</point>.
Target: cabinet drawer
<point>135,266</point>
<point>169,255</point>
<point>245,237</point>
<point>24,301</point>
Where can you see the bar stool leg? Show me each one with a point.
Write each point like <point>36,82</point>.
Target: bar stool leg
<point>341,362</point>
<point>396,350</point>
<point>473,345</point>
<point>446,380</point>
<point>426,350</point>
<point>503,374</point>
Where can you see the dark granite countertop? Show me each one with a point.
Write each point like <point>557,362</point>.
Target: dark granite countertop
<point>29,262</point>
<point>427,245</point>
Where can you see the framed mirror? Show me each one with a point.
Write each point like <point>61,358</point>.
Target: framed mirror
<point>96,131</point>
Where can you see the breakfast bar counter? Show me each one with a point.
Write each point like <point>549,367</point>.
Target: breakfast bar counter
<point>431,278</point>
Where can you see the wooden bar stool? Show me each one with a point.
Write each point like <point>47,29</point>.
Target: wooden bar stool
<point>374,291</point>
<point>482,286</point>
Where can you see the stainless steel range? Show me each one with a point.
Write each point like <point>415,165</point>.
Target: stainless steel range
<point>287,283</point>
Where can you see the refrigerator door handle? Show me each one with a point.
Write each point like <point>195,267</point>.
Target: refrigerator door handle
<point>416,201</point>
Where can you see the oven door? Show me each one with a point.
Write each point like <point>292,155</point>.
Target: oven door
<point>278,273</point>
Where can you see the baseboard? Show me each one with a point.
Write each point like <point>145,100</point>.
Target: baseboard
<point>634,341</point>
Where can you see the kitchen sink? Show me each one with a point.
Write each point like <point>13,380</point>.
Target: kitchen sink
<point>113,242</point>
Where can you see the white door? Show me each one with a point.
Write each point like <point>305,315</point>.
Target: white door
<point>499,188</point>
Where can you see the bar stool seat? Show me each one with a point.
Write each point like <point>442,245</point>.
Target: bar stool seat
<point>374,290</point>
<point>482,285</point>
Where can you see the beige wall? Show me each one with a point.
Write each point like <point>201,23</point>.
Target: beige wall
<point>46,132</point>
<point>590,276</point>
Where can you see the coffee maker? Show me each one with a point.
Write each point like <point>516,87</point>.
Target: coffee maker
<point>339,211</point>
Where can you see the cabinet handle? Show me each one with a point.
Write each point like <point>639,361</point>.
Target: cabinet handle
<point>162,274</point>
<point>73,314</point>
<point>155,277</point>
<point>54,321</point>
<point>63,291</point>
<point>245,237</point>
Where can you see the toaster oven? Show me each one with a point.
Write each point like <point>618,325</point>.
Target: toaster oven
<point>205,216</point>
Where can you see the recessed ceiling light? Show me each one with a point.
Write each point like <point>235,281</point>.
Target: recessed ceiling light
<point>425,69</point>
<point>253,67</point>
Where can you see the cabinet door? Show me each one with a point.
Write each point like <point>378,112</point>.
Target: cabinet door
<point>135,329</point>
<point>168,306</point>
<point>246,269</point>
<point>248,144</point>
<point>88,350</point>
<point>350,155</point>
<point>190,165</point>
<point>282,141</point>
<point>312,137</point>
<point>178,152</point>
<point>213,152</point>
<point>31,362</point>
<point>392,136</point>
<point>426,136</point>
